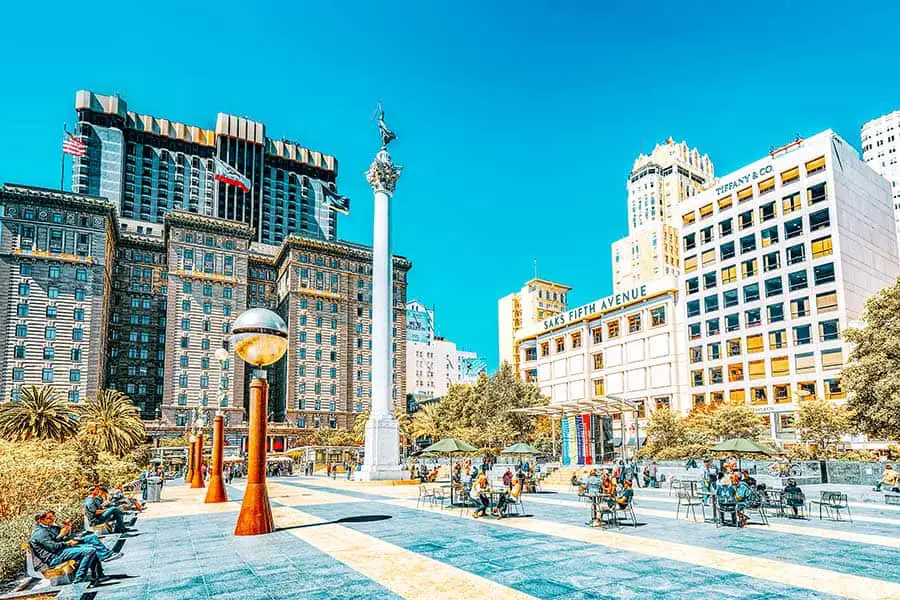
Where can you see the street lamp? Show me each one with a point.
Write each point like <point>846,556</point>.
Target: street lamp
<point>260,338</point>
<point>216,490</point>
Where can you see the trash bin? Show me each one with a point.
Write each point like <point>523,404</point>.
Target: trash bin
<point>154,489</point>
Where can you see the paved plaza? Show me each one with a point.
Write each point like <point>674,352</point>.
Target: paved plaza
<point>339,539</point>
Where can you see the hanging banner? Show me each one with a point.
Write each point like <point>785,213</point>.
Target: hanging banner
<point>564,439</point>
<point>579,439</point>
<point>588,440</point>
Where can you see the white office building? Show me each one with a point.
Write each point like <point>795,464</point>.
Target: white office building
<point>779,258</point>
<point>880,148</point>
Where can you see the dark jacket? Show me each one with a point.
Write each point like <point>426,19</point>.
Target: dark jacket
<point>91,505</point>
<point>46,542</point>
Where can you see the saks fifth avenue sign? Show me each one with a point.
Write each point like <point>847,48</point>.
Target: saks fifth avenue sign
<point>744,179</point>
<point>603,304</point>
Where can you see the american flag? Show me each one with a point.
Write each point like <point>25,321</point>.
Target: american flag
<point>74,146</point>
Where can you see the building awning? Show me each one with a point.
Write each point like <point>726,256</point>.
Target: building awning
<point>603,405</point>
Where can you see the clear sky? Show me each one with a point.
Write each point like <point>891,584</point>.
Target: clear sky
<point>517,124</point>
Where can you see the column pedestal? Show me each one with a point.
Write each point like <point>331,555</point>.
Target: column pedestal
<point>216,490</point>
<point>197,480</point>
<point>256,513</point>
<point>382,459</point>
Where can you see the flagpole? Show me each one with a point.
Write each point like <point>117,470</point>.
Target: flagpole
<point>62,160</point>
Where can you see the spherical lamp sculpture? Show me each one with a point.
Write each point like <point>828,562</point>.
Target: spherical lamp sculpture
<point>260,338</point>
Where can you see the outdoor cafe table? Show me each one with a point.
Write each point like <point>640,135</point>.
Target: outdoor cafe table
<point>596,500</point>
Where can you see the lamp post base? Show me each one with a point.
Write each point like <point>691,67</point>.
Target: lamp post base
<point>256,513</point>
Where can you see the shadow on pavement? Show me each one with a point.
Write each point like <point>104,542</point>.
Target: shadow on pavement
<point>358,519</point>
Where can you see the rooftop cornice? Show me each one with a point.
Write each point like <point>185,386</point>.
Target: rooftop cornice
<point>212,224</point>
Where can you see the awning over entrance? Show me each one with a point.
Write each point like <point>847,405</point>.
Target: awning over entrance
<point>606,405</point>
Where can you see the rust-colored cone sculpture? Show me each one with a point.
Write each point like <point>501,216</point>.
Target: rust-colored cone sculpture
<point>216,490</point>
<point>197,481</point>
<point>189,471</point>
<point>256,513</point>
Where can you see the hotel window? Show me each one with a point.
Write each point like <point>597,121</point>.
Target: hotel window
<point>657,316</point>
<point>815,165</point>
<point>530,354</point>
<point>736,396</point>
<point>773,287</point>
<point>816,194</point>
<point>598,360</point>
<point>706,235</point>
<point>745,219</point>
<point>733,347</point>
<point>766,185</point>
<point>736,372</point>
<point>781,391</point>
<point>713,351</point>
<point>597,334</point>
<point>694,331</point>
<point>612,329</point>
<point>576,340</point>
<point>696,354</point>
<point>829,330</point>
<point>693,308</point>
<point>826,302</point>
<point>18,374</point>
<point>832,359</point>
<point>793,228</point>
<point>823,274</point>
<point>799,308</point>
<point>780,366</point>
<point>729,275</point>
<point>802,335</point>
<point>692,285</point>
<point>767,212</point>
<point>748,268</point>
<point>745,194</point>
<point>806,390</point>
<point>821,247</point>
<point>732,322</point>
<point>753,317</point>
<point>690,241</point>
<point>47,375</point>
<point>754,343</point>
<point>715,375</point>
<point>730,298</point>
<point>748,243</point>
<point>751,292</point>
<point>706,210</point>
<point>545,349</point>
<point>771,261</point>
<point>819,220</point>
<point>697,378</point>
<point>689,218</point>
<point>709,256</point>
<point>634,323</point>
<point>791,203</point>
<point>19,352</point>
<point>698,399</point>
<point>599,387</point>
<point>795,254</point>
<point>758,395</point>
<point>724,202</point>
<point>756,369</point>
<point>777,339</point>
<point>49,353</point>
<point>768,236</point>
<point>725,228</point>
<point>833,389</point>
<point>712,327</point>
<point>711,303</point>
<point>690,264</point>
<point>726,251</point>
<point>797,280</point>
<point>790,175</point>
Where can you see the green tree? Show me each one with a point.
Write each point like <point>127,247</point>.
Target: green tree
<point>873,374</point>
<point>665,429</point>
<point>822,424</point>
<point>113,421</point>
<point>39,414</point>
<point>736,421</point>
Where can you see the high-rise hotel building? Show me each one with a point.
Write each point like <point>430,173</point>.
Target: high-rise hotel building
<point>881,149</point>
<point>657,185</point>
<point>778,258</point>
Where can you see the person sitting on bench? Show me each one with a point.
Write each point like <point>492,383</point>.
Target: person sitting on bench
<point>889,478</point>
<point>100,513</point>
<point>53,548</point>
<point>124,502</point>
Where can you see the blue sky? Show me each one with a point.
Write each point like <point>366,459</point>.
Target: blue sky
<point>517,123</point>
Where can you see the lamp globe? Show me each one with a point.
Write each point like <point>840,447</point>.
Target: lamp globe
<point>260,337</point>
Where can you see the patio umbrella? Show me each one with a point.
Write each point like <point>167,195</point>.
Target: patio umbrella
<point>449,446</point>
<point>742,446</point>
<point>521,449</point>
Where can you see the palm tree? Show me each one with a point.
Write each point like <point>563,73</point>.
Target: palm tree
<point>359,426</point>
<point>425,422</point>
<point>114,420</point>
<point>39,414</point>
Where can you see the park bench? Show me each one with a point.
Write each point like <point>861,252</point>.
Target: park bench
<point>38,570</point>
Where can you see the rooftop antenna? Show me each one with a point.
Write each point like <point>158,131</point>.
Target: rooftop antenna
<point>535,267</point>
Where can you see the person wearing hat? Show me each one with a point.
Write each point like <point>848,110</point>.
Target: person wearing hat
<point>55,545</point>
<point>890,478</point>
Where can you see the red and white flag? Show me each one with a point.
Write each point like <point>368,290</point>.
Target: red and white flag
<point>231,176</point>
<point>72,145</point>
